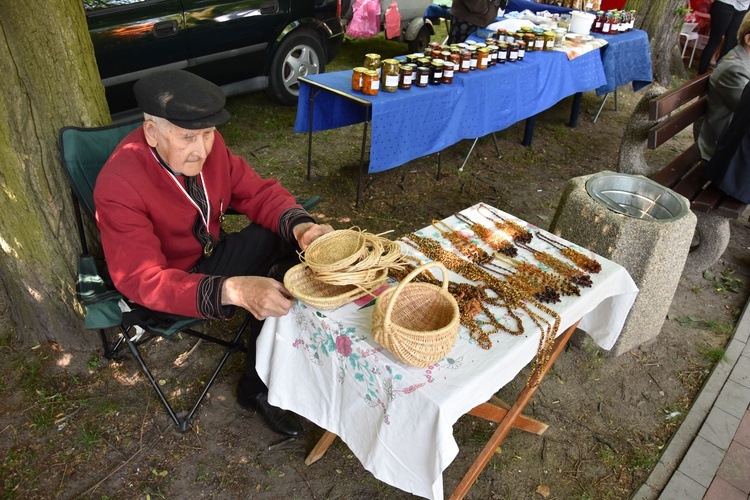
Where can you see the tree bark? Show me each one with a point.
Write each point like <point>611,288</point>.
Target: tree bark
<point>662,20</point>
<point>49,80</point>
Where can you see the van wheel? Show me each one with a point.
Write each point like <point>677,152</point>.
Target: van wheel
<point>300,54</point>
<point>422,40</point>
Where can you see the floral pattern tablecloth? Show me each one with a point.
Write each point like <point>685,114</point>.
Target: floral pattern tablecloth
<point>398,419</point>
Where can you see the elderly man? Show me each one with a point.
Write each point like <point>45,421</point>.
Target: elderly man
<point>160,202</point>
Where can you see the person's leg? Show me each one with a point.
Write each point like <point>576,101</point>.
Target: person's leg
<point>255,251</point>
<point>732,29</point>
<point>721,16</point>
<point>460,30</point>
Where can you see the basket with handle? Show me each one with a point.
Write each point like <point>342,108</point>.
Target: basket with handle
<point>417,322</point>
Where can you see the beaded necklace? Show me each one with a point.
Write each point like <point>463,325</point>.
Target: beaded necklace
<point>494,239</point>
<point>583,261</point>
<point>463,244</point>
<point>570,273</point>
<point>512,228</point>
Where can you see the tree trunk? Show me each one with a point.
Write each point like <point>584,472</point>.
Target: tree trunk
<point>49,80</point>
<point>662,20</point>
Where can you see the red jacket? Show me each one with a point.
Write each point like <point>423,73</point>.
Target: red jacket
<point>146,222</point>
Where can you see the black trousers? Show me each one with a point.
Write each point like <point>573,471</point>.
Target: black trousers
<point>254,251</point>
<point>725,20</point>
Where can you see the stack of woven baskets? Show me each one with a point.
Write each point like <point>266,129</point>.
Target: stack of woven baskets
<point>342,266</point>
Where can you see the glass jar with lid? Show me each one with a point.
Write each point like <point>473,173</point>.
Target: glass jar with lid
<point>502,52</point>
<point>483,57</point>
<point>538,40</point>
<point>549,40</point>
<point>436,72</point>
<point>372,61</point>
<point>493,54</point>
<point>448,70</point>
<point>529,39</point>
<point>412,58</point>
<point>521,50</point>
<point>389,75</point>
<point>358,75</point>
<point>501,32</point>
<point>473,60</point>
<point>404,77</point>
<point>371,82</point>
<point>560,36</point>
<point>465,66</point>
<point>513,52</point>
<point>423,76</point>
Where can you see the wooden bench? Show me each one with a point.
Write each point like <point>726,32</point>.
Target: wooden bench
<point>674,111</point>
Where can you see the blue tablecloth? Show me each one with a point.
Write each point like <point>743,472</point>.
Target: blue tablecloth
<point>412,123</point>
<point>626,58</point>
<point>521,5</point>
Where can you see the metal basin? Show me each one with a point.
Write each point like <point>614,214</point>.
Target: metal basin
<point>636,197</point>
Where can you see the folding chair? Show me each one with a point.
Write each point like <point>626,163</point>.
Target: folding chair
<point>83,152</point>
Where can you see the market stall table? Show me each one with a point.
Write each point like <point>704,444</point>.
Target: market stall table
<point>409,124</point>
<point>397,419</point>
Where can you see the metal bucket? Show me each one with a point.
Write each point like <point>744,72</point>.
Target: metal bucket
<point>636,196</point>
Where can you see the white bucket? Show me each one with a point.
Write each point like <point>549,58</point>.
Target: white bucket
<point>581,22</point>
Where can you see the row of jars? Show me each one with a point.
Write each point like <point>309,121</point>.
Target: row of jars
<point>613,22</point>
<point>421,70</point>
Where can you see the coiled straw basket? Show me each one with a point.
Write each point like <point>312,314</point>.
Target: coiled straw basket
<point>303,285</point>
<point>417,322</point>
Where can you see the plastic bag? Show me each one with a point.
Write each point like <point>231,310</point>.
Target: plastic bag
<point>392,21</point>
<point>365,21</point>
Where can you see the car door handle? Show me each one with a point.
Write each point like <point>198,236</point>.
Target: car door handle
<point>269,7</point>
<point>165,28</point>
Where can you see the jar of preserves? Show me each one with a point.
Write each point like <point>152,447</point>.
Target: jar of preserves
<point>372,61</point>
<point>358,75</point>
<point>521,50</point>
<point>493,55</point>
<point>465,66</point>
<point>436,72</point>
<point>538,41</point>
<point>483,57</point>
<point>549,40</point>
<point>502,52</point>
<point>473,60</point>
<point>597,27</point>
<point>606,24</point>
<point>371,82</point>
<point>501,34</point>
<point>529,39</point>
<point>424,61</point>
<point>455,58</point>
<point>423,76</point>
<point>413,76</point>
<point>513,52</point>
<point>510,36</point>
<point>389,75</point>
<point>448,69</point>
<point>412,58</point>
<point>560,36</point>
<point>404,77</point>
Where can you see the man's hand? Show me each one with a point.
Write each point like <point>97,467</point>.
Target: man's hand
<point>307,232</point>
<point>262,297</point>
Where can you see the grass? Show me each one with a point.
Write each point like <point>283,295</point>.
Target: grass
<point>713,354</point>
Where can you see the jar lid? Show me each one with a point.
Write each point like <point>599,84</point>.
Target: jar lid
<point>359,69</point>
<point>372,56</point>
<point>437,63</point>
<point>372,72</point>
<point>422,69</point>
<point>406,68</point>
<point>391,61</point>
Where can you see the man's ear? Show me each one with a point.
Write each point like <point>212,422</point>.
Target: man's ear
<point>151,131</point>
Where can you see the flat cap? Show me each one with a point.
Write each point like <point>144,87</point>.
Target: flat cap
<point>185,99</point>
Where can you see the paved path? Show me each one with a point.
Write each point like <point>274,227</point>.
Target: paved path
<point>709,455</point>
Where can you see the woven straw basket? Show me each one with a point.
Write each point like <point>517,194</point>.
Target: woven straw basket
<point>417,322</point>
<point>302,284</point>
<point>335,250</point>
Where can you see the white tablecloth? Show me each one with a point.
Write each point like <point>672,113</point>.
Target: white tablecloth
<point>397,419</point>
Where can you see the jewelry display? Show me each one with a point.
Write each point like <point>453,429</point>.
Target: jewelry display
<point>511,228</point>
<point>583,261</point>
<point>494,239</point>
<point>570,273</point>
<point>464,245</point>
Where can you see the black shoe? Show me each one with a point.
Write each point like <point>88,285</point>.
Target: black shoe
<point>282,421</point>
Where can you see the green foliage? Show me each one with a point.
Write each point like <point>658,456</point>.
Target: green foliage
<point>725,282</point>
<point>713,354</point>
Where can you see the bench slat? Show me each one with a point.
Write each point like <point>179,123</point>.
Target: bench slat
<point>672,173</point>
<point>690,186</point>
<point>676,123</point>
<point>669,101</point>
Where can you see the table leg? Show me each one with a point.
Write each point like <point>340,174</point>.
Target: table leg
<point>361,165</point>
<point>575,109</point>
<point>325,441</point>
<point>439,165</point>
<point>528,131</point>
<point>507,422</point>
<point>495,412</point>
<point>468,154</point>
<point>497,146</point>
<point>309,132</point>
<point>601,106</point>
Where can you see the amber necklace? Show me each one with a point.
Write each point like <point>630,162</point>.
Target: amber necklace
<point>583,261</point>
<point>463,244</point>
<point>511,228</point>
<point>494,239</point>
<point>570,273</point>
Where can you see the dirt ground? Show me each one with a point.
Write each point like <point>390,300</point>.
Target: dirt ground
<point>73,425</point>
